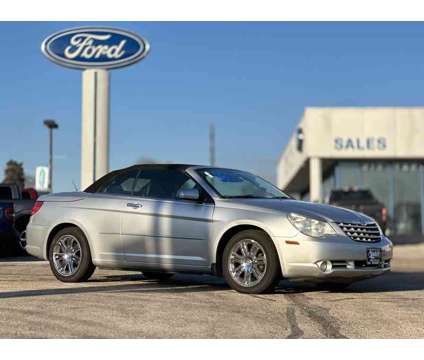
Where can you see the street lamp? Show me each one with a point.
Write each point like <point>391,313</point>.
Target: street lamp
<point>51,125</point>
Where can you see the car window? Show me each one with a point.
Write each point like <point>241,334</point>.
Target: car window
<point>162,183</point>
<point>189,184</point>
<point>5,193</point>
<point>121,184</point>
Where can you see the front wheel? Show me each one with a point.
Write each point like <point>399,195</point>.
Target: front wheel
<point>250,262</point>
<point>70,257</point>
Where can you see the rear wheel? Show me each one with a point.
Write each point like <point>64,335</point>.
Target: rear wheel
<point>157,275</point>
<point>70,256</point>
<point>250,262</point>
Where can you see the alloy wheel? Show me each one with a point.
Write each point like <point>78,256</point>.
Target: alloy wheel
<point>67,255</point>
<point>247,262</point>
<point>22,240</point>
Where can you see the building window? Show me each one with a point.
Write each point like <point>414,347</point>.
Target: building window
<point>396,184</point>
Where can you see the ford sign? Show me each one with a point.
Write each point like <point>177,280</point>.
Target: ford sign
<point>95,47</point>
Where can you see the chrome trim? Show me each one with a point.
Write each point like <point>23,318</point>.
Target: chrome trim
<point>247,263</point>
<point>67,255</point>
<point>368,233</point>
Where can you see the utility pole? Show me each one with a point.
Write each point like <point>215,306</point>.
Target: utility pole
<point>51,125</point>
<point>211,144</point>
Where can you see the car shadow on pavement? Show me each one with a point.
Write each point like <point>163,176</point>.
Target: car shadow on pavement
<point>181,283</point>
<point>25,258</point>
<point>392,282</point>
<point>141,285</point>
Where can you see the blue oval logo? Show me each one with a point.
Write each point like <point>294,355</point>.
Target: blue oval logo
<point>94,47</point>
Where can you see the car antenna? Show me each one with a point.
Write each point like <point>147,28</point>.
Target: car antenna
<point>75,185</point>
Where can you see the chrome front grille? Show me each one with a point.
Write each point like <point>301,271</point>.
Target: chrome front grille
<point>368,233</point>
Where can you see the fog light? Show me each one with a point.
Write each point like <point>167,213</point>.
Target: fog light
<point>326,266</point>
<point>350,265</point>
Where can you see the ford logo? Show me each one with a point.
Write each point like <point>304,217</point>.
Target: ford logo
<point>95,47</point>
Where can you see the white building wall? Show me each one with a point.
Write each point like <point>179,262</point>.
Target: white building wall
<point>354,133</point>
<point>290,162</point>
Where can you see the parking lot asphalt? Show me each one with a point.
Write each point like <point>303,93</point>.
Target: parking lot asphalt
<point>117,304</point>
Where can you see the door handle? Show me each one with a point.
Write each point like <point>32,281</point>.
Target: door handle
<point>134,205</point>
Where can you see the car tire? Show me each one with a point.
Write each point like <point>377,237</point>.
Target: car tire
<point>72,244</point>
<point>259,263</point>
<point>157,275</point>
<point>21,243</point>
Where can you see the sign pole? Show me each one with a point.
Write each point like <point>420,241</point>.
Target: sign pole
<point>95,126</point>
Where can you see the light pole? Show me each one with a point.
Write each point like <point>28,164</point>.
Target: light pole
<point>51,125</point>
<point>211,144</point>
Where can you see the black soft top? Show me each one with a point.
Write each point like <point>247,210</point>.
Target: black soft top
<point>178,167</point>
<point>181,167</point>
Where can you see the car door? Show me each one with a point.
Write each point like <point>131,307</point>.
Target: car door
<point>103,214</point>
<point>158,229</point>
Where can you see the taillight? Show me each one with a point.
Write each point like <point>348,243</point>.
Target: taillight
<point>9,214</point>
<point>37,206</point>
<point>384,215</point>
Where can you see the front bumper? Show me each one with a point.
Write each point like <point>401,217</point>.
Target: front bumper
<point>301,258</point>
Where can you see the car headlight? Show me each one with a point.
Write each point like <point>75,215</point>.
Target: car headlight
<point>309,226</point>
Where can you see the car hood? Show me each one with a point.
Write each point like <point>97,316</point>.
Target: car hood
<point>322,212</point>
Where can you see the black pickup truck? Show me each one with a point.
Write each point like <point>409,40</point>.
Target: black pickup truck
<point>23,202</point>
<point>361,200</point>
<point>8,234</point>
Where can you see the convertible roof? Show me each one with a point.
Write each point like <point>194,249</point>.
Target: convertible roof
<point>99,182</point>
<point>161,166</point>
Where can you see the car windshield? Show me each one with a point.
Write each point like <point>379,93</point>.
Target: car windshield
<point>240,184</point>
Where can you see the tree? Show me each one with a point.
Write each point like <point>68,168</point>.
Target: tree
<point>14,173</point>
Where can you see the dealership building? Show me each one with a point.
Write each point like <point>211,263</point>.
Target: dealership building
<point>380,149</point>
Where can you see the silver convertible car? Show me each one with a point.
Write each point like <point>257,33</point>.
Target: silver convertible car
<point>163,219</point>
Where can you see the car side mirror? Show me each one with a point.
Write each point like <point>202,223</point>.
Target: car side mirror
<point>188,194</point>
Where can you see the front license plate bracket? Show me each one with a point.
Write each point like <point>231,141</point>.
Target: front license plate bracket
<point>374,256</point>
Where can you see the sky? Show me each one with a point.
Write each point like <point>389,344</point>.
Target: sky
<point>252,80</point>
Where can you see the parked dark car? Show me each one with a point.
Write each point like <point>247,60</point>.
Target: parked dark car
<point>361,200</point>
<point>8,234</point>
<point>23,202</point>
